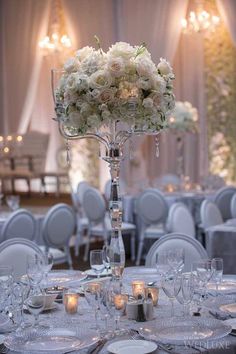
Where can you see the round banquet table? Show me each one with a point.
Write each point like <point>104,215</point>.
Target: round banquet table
<point>85,318</point>
<point>38,212</point>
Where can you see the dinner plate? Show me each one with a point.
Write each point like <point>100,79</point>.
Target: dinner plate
<point>57,340</point>
<point>92,273</point>
<point>132,347</point>
<point>229,308</point>
<point>231,322</point>
<point>178,332</point>
<point>61,278</point>
<point>226,287</point>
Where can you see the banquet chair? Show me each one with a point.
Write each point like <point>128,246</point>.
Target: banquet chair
<point>14,253</point>
<point>81,189</point>
<point>81,220</point>
<point>193,250</point>
<point>21,223</point>
<point>152,209</point>
<point>223,199</point>
<point>58,227</point>
<point>99,222</point>
<point>210,215</point>
<point>180,220</point>
<point>233,206</point>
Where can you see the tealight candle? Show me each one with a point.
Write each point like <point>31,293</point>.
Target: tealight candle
<point>71,302</point>
<point>154,291</point>
<point>120,301</point>
<point>138,288</point>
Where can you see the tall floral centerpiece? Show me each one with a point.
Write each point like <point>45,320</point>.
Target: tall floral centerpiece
<point>111,97</point>
<point>184,119</point>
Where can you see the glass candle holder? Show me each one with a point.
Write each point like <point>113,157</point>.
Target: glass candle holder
<point>120,301</point>
<point>138,288</point>
<point>70,300</point>
<point>154,291</point>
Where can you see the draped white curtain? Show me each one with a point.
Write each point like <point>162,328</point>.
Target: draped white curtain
<point>227,9</point>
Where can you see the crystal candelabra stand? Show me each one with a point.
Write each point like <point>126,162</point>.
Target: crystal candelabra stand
<point>114,142</point>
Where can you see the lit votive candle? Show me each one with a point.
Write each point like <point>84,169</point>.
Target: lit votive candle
<point>154,291</point>
<point>138,288</point>
<point>71,302</point>
<point>94,287</point>
<point>120,301</point>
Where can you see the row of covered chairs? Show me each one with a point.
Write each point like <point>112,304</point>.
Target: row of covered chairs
<point>57,229</point>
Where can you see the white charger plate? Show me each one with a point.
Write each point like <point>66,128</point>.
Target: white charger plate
<point>229,308</point>
<point>132,347</point>
<point>175,332</point>
<point>56,340</point>
<point>92,273</point>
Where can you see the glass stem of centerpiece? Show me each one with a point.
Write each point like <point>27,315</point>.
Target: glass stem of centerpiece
<point>116,249</point>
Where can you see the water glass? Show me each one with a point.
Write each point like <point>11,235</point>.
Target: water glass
<point>217,269</point>
<point>168,286</point>
<point>184,290</point>
<point>92,292</point>
<point>35,270</point>
<point>162,265</point>
<point>96,261</point>
<point>47,266</point>
<point>13,202</point>
<point>35,303</point>
<point>106,257</point>
<point>175,258</point>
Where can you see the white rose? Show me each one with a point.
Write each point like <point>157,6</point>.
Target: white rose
<point>122,49</point>
<point>116,66</point>
<point>94,121</point>
<point>74,119</point>
<point>144,84</point>
<point>157,99</point>
<point>71,65</point>
<point>159,83</point>
<point>100,79</point>
<point>93,62</point>
<point>148,102</point>
<point>83,53</point>
<point>145,67</point>
<point>70,97</point>
<point>106,95</point>
<point>164,67</point>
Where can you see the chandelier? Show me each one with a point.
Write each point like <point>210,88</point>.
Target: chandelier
<point>57,40</point>
<point>200,21</point>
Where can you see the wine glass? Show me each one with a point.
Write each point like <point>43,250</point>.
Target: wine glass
<point>106,257</point>
<point>13,202</point>
<point>168,286</point>
<point>47,266</point>
<point>116,302</point>
<point>175,258</point>
<point>217,269</point>
<point>92,293</point>
<point>20,292</point>
<point>35,303</point>
<point>96,261</point>
<point>162,265</point>
<point>184,290</point>
<point>203,271</point>
<point>6,282</point>
<point>35,269</point>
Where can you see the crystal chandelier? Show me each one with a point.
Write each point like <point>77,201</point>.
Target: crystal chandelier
<point>200,21</point>
<point>57,40</point>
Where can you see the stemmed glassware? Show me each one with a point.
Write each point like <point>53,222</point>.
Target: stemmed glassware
<point>20,292</point>
<point>35,270</point>
<point>13,202</point>
<point>47,266</point>
<point>168,286</point>
<point>92,292</point>
<point>162,264</point>
<point>96,261</point>
<point>202,271</point>
<point>106,257</point>
<point>184,290</point>
<point>6,282</point>
<point>175,258</point>
<point>217,269</point>
<point>35,303</point>
<point>116,302</point>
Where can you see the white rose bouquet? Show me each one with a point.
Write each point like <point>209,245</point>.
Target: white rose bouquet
<point>184,118</point>
<point>124,85</point>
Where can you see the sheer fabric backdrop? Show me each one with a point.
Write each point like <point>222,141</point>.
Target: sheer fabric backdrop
<point>26,101</point>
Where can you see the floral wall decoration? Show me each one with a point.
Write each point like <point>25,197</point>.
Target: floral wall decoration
<point>220,86</point>
<point>84,162</point>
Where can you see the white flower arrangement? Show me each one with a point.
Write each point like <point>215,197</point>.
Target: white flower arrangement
<point>184,118</point>
<point>123,85</point>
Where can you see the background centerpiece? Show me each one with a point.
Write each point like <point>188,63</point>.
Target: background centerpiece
<point>111,97</point>
<point>184,119</point>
